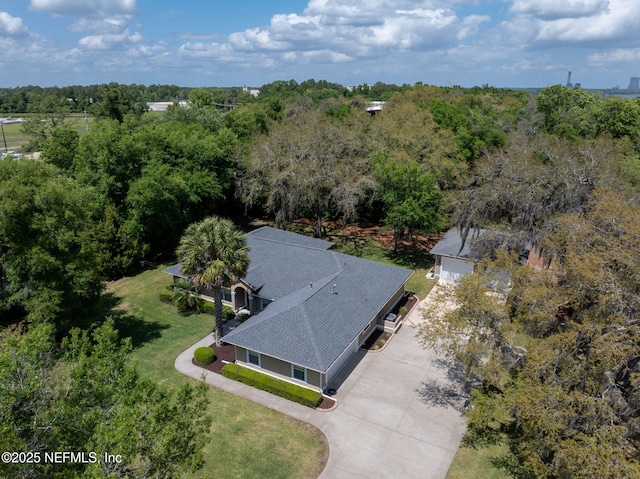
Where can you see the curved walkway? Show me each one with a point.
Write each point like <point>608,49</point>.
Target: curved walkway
<point>398,411</point>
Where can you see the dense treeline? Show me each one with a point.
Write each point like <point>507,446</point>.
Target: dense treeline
<point>35,99</point>
<point>535,171</point>
<point>78,98</point>
<point>132,184</point>
<point>554,352</point>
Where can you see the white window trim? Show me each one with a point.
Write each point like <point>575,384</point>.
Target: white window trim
<point>293,367</point>
<point>259,365</point>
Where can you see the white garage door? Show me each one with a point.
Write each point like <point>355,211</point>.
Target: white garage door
<point>453,269</point>
<point>342,360</point>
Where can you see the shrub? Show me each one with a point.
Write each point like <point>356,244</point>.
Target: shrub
<point>403,310</point>
<point>165,295</point>
<point>186,300</point>
<point>228,313</point>
<point>204,355</point>
<point>210,308</point>
<point>287,390</point>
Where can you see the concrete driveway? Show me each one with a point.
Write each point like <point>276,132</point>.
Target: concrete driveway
<point>398,413</point>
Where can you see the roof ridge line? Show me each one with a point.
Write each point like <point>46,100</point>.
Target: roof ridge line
<point>292,244</point>
<point>312,337</point>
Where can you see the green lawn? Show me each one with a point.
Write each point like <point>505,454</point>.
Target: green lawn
<point>419,261</point>
<point>247,440</point>
<point>484,462</point>
<point>16,138</point>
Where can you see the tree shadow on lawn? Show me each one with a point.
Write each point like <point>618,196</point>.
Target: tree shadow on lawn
<point>130,325</point>
<point>412,258</point>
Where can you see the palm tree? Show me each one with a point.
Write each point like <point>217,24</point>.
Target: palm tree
<point>185,296</point>
<point>214,253</point>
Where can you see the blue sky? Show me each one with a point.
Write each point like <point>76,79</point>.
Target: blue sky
<point>503,43</point>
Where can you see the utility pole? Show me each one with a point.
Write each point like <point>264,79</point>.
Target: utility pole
<point>86,122</point>
<point>4,137</point>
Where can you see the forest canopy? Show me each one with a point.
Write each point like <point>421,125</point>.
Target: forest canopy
<point>553,356</point>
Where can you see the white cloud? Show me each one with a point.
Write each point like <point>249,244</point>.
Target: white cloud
<point>205,50</point>
<point>623,56</point>
<point>555,9</point>
<point>12,26</point>
<point>343,30</point>
<point>575,22</point>
<point>109,41</point>
<point>106,25</point>
<point>198,36</point>
<point>326,56</point>
<point>85,8</point>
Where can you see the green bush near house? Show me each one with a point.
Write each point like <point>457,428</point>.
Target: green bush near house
<point>166,295</point>
<point>293,392</point>
<point>204,355</point>
<point>227,312</point>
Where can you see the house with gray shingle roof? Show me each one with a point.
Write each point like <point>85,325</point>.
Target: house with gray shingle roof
<point>312,308</point>
<point>453,254</point>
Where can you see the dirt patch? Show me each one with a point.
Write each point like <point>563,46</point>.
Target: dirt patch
<point>327,403</point>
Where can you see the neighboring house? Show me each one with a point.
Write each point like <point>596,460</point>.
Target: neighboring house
<point>312,308</point>
<point>163,105</point>
<point>452,257</point>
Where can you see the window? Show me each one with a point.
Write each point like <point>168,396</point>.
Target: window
<point>226,295</point>
<point>299,373</point>
<point>253,358</point>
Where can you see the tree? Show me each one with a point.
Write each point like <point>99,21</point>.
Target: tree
<point>405,130</point>
<point>308,165</point>
<point>48,265</point>
<point>554,356</point>
<point>200,98</point>
<point>86,396</point>
<point>525,187</point>
<point>28,393</point>
<point>52,112</point>
<point>213,254</point>
<point>185,296</point>
<point>118,101</point>
<point>561,106</point>
<point>60,148</point>
<point>411,198</point>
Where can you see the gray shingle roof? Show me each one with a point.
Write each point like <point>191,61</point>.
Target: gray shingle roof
<point>282,236</point>
<point>451,243</point>
<point>308,324</point>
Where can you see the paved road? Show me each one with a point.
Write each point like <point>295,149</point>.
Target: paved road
<point>397,416</point>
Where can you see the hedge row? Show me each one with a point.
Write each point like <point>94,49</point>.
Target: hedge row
<point>281,388</point>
